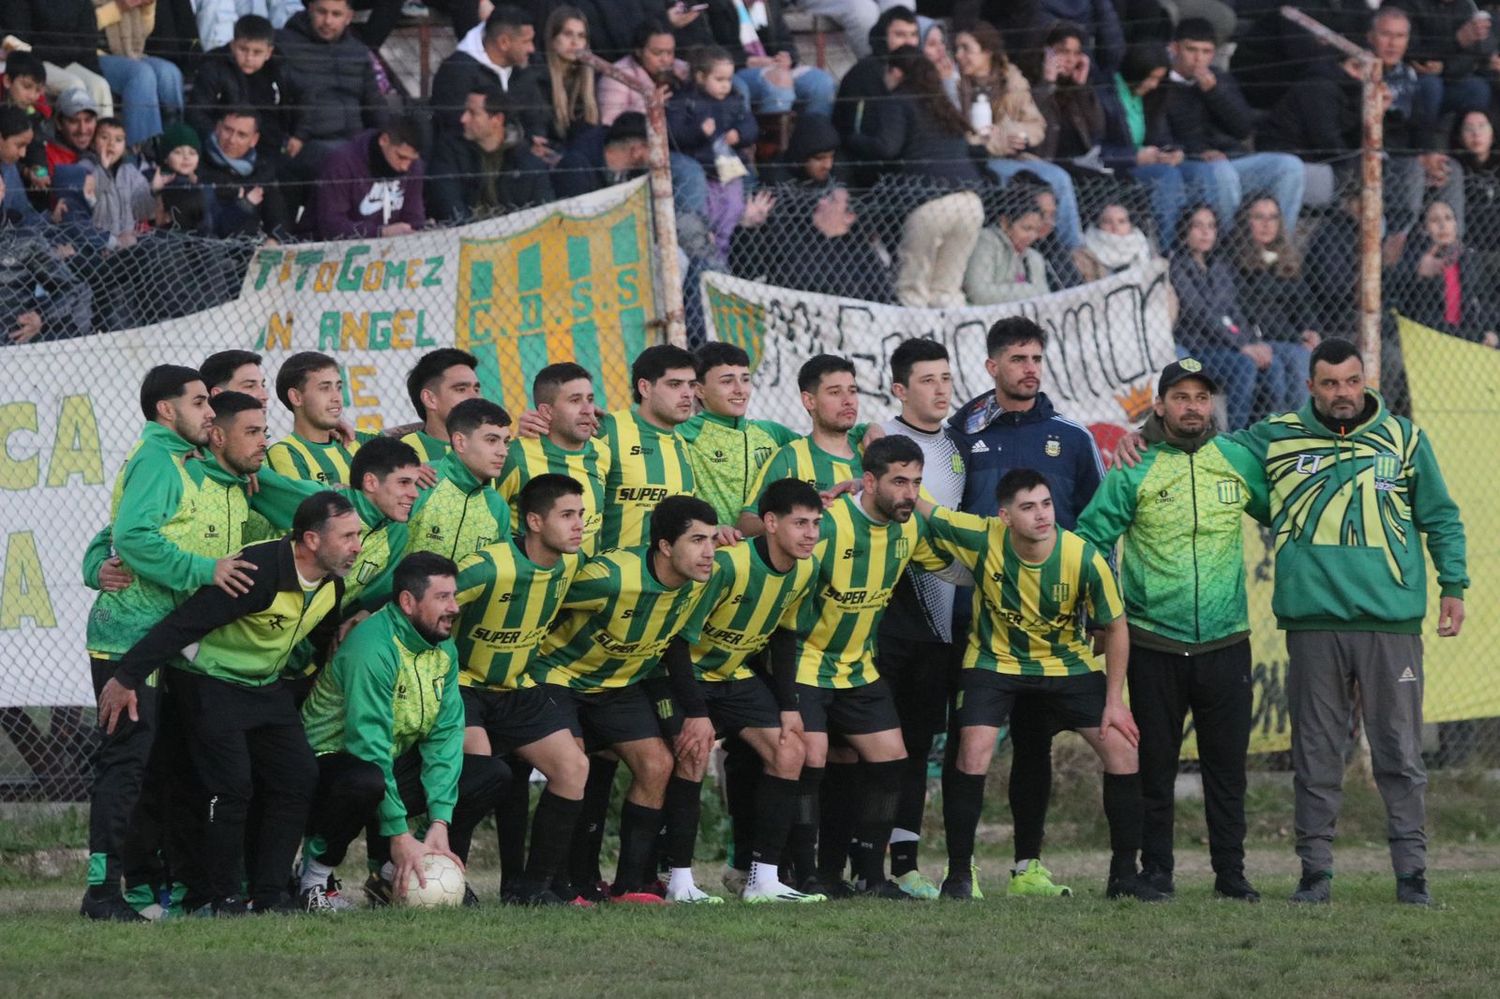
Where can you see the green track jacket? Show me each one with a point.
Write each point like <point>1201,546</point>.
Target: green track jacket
<point>459,515</point>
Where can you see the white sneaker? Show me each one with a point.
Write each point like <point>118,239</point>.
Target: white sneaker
<point>692,895</point>
<point>336,897</point>
<point>315,899</point>
<point>757,892</point>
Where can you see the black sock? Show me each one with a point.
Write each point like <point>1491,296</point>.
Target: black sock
<point>802,844</point>
<point>683,805</point>
<point>742,776</point>
<point>638,826</point>
<point>1122,809</point>
<point>588,834</point>
<point>773,821</point>
<point>909,811</point>
<point>510,823</point>
<point>963,800</point>
<point>551,832</point>
<point>882,789</point>
<point>838,813</point>
<point>1030,787</point>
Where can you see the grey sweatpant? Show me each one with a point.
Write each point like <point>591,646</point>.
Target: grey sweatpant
<point>1325,667</point>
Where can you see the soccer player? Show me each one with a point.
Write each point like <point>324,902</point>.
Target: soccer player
<point>915,650</point>
<point>243,730</point>
<point>511,592</point>
<point>235,371</point>
<point>462,514</point>
<point>753,600</point>
<point>159,540</point>
<point>1016,426</point>
<point>386,720</point>
<point>1034,584</point>
<point>650,462</point>
<point>564,398</point>
<point>621,613</point>
<point>867,542</point>
<point>311,387</point>
<point>1181,511</point>
<point>826,457</point>
<point>440,380</point>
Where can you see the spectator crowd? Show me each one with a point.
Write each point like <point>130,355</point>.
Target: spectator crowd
<point>977,152</point>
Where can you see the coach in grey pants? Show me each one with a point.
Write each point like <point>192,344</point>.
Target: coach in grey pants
<point>1354,489</point>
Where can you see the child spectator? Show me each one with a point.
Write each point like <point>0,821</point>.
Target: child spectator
<point>179,162</point>
<point>1210,325</point>
<point>26,89</point>
<point>1114,243</point>
<point>40,296</point>
<point>711,123</point>
<point>1273,294</point>
<point>124,197</point>
<point>1438,281</point>
<point>242,74</point>
<point>755,35</point>
<point>1004,266</point>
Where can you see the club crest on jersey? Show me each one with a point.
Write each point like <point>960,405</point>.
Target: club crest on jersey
<point>1061,592</point>
<point>1052,448</point>
<point>903,548</point>
<point>1308,464</point>
<point>367,570</point>
<point>956,462</point>
<point>1229,492</point>
<point>1387,469</point>
<point>437,687</point>
<point>762,455</point>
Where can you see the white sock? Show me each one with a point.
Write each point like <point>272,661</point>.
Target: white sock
<point>1020,866</point>
<point>314,874</point>
<point>904,836</point>
<point>681,880</point>
<point>763,874</point>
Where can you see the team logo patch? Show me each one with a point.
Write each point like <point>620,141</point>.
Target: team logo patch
<point>437,687</point>
<point>366,572</point>
<point>903,548</point>
<point>957,464</point>
<point>1190,364</point>
<point>1052,448</point>
<point>980,447</point>
<point>1308,464</point>
<point>762,455</point>
<point>664,708</point>
<point>1061,592</point>
<point>1387,469</point>
<point>1229,492</point>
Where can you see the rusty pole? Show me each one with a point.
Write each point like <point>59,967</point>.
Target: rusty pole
<point>662,208</point>
<point>1372,193</point>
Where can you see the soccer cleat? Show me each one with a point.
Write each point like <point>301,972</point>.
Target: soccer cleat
<point>109,908</point>
<point>638,898</point>
<point>231,907</point>
<point>693,895</point>
<point>1315,888</point>
<point>1137,887</point>
<point>886,890</point>
<point>835,890</point>
<point>315,899</point>
<point>918,885</point>
<point>973,880</point>
<point>471,900</point>
<point>334,892</point>
<point>377,891</point>
<point>1159,879</point>
<point>735,880</point>
<point>1411,888</point>
<point>1233,884</point>
<point>1036,880</point>
<point>958,888</point>
<point>757,893</point>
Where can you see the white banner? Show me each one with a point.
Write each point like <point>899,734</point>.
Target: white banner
<point>520,291</point>
<point>1106,341</point>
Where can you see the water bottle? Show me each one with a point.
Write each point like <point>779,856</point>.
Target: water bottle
<point>980,115</point>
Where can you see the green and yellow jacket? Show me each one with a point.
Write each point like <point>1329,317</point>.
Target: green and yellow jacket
<point>727,454</point>
<point>459,515</point>
<point>388,690</point>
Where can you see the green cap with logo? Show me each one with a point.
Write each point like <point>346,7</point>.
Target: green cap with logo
<point>1177,371</point>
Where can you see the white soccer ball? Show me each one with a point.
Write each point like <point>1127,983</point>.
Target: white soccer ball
<point>445,884</point>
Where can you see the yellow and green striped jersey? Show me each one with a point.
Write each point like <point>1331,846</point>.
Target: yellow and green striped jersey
<point>648,465</point>
<point>859,562</point>
<point>1029,619</point>
<point>296,457</point>
<point>509,603</point>
<point>747,601</point>
<point>616,621</point>
<point>428,448</point>
<point>589,467</point>
<point>802,459</point>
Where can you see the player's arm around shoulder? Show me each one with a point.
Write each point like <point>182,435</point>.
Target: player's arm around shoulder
<point>1252,474</point>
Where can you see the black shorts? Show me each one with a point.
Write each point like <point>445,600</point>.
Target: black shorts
<point>513,718</point>
<point>848,710</point>
<point>1067,702</point>
<point>922,676</point>
<point>733,705</point>
<point>608,717</point>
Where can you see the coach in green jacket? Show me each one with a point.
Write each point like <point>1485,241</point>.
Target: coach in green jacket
<point>1181,511</point>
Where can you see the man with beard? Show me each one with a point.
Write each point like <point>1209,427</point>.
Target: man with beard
<point>243,732</point>
<point>76,116</point>
<point>1181,512</point>
<point>386,720</point>
<point>247,199</point>
<point>485,170</point>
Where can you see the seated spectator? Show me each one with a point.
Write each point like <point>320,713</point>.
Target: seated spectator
<point>865,81</point>
<point>1136,139</point>
<point>64,35</point>
<point>1451,48</point>
<point>568,87</point>
<point>330,84</point>
<point>498,51</point>
<point>242,74</point>
<point>1104,37</point>
<point>40,296</point>
<point>1438,282</point>
<point>1067,100</point>
<point>149,86</point>
<point>765,57</point>
<point>1005,267</point>
<point>934,45</point>
<point>146,278</point>
<point>1210,325</point>
<point>1114,243</point>
<point>180,151</point>
<point>604,158</point>
<point>486,171</point>
<point>920,145</point>
<point>245,199</point>
<point>1475,142</point>
<point>1210,119</point>
<point>991,87</point>
<point>76,116</point>
<point>372,185</point>
<point>15,138</point>
<point>1272,293</point>
<point>26,90</point>
<point>811,242</point>
<point>810,157</point>
<point>652,62</point>
<point>1062,265</point>
<point>218,20</point>
<point>711,123</point>
<point>1331,266</point>
<point>125,201</point>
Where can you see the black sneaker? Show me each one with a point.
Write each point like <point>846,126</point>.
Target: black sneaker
<point>1159,879</point>
<point>110,908</point>
<point>1315,888</point>
<point>471,900</point>
<point>885,889</point>
<point>1411,889</point>
<point>834,890</point>
<point>231,907</point>
<point>958,888</point>
<point>1137,887</point>
<point>377,891</point>
<point>1234,884</point>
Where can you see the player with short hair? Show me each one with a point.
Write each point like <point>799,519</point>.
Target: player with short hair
<point>235,371</point>
<point>311,387</point>
<point>462,514</point>
<point>511,592</point>
<point>619,617</point>
<point>386,720</point>
<point>1034,585</point>
<point>439,381</point>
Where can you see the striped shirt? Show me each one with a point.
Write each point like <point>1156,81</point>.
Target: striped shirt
<point>296,457</point>
<point>802,459</point>
<point>648,465</point>
<point>429,449</point>
<point>509,603</point>
<point>589,467</point>
<point>747,601</point>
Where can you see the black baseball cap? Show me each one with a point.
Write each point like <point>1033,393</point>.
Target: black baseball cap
<point>1188,367</point>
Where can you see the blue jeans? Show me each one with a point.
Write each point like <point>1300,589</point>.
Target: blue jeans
<point>1168,197</point>
<point>1223,183</point>
<point>147,87</point>
<point>689,184</point>
<point>1069,226</point>
<point>1436,96</point>
<point>1283,386</point>
<point>813,88</point>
